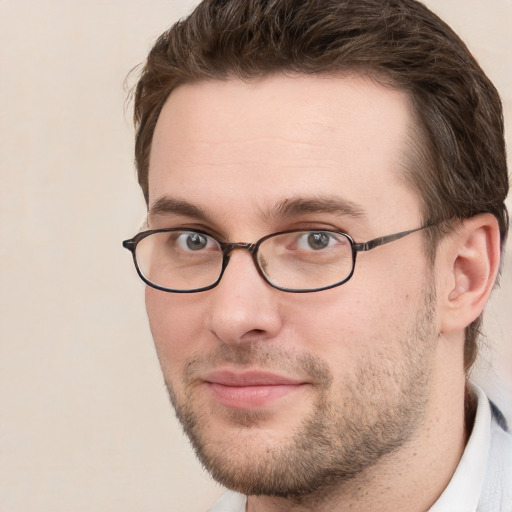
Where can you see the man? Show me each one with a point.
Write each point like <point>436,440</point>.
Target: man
<point>325,184</point>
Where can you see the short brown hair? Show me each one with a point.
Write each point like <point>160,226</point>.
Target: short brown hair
<point>459,166</point>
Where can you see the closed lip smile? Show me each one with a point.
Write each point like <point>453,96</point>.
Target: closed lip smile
<point>249,389</point>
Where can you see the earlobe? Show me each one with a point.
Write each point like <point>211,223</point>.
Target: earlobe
<point>473,256</point>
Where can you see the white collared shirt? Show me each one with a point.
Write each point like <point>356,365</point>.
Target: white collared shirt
<point>482,481</point>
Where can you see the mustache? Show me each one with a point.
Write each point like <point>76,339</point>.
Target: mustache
<point>262,356</point>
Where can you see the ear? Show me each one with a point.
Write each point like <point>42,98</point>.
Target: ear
<point>471,258</point>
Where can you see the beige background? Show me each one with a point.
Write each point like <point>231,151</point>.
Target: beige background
<point>85,423</point>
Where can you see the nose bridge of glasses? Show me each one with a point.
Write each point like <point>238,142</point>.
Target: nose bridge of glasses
<point>228,248</point>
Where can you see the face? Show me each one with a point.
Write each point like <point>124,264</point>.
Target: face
<point>326,383</point>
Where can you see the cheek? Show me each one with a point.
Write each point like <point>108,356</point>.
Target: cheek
<point>390,286</point>
<point>175,326</point>
<point>356,320</point>
<point>333,325</point>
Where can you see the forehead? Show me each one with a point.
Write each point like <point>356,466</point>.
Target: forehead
<point>251,145</point>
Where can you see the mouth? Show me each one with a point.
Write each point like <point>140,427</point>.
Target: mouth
<point>250,389</point>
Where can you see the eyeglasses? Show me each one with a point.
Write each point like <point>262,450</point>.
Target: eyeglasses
<point>297,261</point>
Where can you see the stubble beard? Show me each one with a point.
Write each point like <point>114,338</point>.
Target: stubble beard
<point>346,432</point>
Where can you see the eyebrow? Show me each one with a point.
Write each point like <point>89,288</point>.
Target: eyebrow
<point>285,209</point>
<point>170,206</point>
<point>332,204</point>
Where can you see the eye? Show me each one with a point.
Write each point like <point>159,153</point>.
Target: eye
<point>191,241</point>
<point>316,240</point>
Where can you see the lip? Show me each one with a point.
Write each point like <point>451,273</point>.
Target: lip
<point>250,389</point>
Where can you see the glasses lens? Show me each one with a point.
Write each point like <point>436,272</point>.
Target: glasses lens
<point>306,260</point>
<point>179,260</point>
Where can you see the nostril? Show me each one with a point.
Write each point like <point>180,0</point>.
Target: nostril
<point>255,336</point>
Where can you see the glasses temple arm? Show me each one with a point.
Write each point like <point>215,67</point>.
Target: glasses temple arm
<point>382,240</point>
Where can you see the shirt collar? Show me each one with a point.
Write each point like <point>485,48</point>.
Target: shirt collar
<point>464,490</point>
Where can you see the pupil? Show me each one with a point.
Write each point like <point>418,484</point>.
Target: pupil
<point>318,240</point>
<point>196,241</point>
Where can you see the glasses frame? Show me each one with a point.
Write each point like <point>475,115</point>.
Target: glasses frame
<point>228,247</point>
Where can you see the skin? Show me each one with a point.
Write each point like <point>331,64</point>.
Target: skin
<point>378,358</point>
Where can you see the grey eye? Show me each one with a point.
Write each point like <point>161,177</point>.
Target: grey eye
<point>196,242</point>
<point>192,241</point>
<point>318,240</point>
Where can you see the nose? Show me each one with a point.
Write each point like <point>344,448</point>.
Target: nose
<point>243,306</point>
